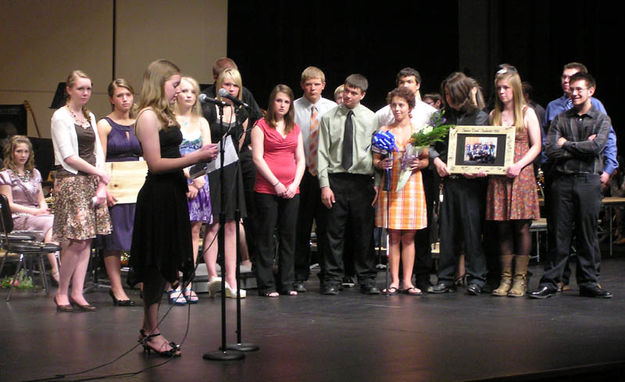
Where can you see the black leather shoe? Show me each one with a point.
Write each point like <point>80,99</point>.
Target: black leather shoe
<point>474,289</point>
<point>369,289</point>
<point>441,288</point>
<point>594,291</point>
<point>330,290</point>
<point>542,292</point>
<point>299,287</point>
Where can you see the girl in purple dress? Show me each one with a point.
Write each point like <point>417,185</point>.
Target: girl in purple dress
<point>195,134</point>
<point>120,144</point>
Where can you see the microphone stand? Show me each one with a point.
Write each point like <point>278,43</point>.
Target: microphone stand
<point>239,346</point>
<point>387,187</point>
<point>223,354</point>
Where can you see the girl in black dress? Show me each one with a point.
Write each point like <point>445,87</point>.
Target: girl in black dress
<point>161,242</point>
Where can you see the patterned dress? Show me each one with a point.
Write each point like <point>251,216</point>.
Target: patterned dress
<point>200,206</point>
<point>404,209</point>
<point>514,198</point>
<point>75,216</point>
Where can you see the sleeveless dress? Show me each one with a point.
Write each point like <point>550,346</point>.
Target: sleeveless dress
<point>122,145</point>
<point>406,208</point>
<point>233,180</point>
<point>162,231</point>
<point>200,206</point>
<point>516,198</point>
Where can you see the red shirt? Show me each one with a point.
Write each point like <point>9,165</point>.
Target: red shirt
<point>279,154</point>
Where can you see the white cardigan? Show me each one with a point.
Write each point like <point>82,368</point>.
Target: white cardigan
<point>65,141</point>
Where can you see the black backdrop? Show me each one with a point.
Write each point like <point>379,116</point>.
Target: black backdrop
<point>273,41</point>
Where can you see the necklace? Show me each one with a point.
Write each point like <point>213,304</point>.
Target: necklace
<point>79,121</point>
<point>25,177</point>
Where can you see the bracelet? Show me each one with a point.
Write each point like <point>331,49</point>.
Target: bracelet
<point>277,183</point>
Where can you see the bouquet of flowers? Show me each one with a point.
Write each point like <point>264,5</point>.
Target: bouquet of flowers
<point>383,143</point>
<point>435,131</point>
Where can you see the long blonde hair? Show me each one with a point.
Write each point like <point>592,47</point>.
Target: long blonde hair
<point>153,90</point>
<point>514,80</point>
<point>72,78</point>
<point>196,110</point>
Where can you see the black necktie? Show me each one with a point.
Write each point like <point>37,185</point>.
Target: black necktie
<point>348,139</point>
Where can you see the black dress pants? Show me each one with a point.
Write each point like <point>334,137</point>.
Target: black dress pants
<point>574,204</point>
<point>461,220</point>
<point>310,208</point>
<point>282,212</point>
<point>351,212</point>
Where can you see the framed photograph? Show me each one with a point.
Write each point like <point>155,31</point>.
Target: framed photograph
<point>472,149</point>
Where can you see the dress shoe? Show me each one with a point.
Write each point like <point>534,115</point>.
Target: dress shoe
<point>299,287</point>
<point>369,289</point>
<point>63,308</point>
<point>474,289</point>
<point>84,308</point>
<point>330,290</point>
<point>348,282</point>
<point>117,302</point>
<point>594,291</point>
<point>542,292</point>
<point>441,288</point>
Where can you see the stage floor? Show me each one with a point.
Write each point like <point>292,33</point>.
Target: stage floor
<point>350,337</point>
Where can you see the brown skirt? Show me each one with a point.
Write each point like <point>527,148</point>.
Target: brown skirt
<point>74,215</point>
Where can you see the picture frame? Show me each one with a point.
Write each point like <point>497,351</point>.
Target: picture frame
<point>474,149</point>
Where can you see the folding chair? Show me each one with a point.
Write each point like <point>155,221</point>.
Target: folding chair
<point>23,244</point>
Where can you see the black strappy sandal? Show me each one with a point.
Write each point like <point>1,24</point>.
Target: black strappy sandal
<point>146,339</point>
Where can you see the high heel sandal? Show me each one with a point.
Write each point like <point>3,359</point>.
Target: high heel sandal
<point>175,297</point>
<point>63,308</point>
<point>84,308</point>
<point>461,280</point>
<point>117,302</point>
<point>145,340</point>
<point>190,295</point>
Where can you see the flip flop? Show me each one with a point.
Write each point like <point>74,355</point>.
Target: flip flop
<point>413,291</point>
<point>392,291</point>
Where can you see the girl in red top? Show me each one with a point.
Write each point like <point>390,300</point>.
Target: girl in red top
<point>278,153</point>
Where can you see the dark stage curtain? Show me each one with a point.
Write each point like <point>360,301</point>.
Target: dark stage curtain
<point>273,41</point>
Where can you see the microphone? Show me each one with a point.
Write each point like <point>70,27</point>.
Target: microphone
<point>224,94</point>
<point>206,99</point>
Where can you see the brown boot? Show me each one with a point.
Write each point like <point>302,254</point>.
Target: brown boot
<point>519,283</point>
<point>506,276</point>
